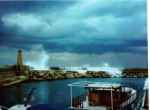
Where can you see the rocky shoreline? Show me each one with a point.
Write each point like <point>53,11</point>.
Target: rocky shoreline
<point>10,78</point>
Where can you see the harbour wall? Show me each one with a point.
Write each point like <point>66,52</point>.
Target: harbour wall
<point>14,77</point>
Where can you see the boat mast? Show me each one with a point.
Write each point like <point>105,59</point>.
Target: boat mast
<point>28,98</point>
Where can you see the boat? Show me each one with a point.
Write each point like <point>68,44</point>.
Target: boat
<point>104,96</point>
<point>34,107</point>
<point>21,106</point>
<point>27,106</point>
<point>144,102</point>
<point>3,108</point>
<point>46,107</point>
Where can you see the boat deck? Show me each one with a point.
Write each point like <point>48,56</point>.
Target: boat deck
<point>85,103</point>
<point>103,96</point>
<point>19,107</point>
<point>92,108</point>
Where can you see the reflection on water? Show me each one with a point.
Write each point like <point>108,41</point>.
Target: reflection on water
<point>55,92</point>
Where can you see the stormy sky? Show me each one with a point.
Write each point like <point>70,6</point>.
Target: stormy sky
<point>74,32</point>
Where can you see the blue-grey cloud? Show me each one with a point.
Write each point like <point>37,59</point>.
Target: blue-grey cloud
<point>78,27</point>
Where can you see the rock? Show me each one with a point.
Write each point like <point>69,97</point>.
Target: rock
<point>26,73</point>
<point>50,74</point>
<point>82,75</point>
<point>76,75</point>
<point>13,80</point>
<point>55,77</point>
<point>34,78</point>
<point>62,73</point>
<point>41,74</point>
<point>21,77</point>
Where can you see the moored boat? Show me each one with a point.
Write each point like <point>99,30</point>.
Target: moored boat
<point>34,107</point>
<point>144,102</point>
<point>21,106</point>
<point>3,108</point>
<point>27,106</point>
<point>104,96</point>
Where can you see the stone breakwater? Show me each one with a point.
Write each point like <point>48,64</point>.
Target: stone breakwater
<point>53,75</point>
<point>10,78</point>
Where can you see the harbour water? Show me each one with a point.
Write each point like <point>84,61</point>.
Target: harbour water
<point>55,92</point>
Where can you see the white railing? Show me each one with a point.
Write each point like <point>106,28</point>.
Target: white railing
<point>131,98</point>
<point>3,108</point>
<point>77,101</point>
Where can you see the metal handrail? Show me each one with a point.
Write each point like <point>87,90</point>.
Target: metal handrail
<point>77,101</point>
<point>3,108</point>
<point>129,99</point>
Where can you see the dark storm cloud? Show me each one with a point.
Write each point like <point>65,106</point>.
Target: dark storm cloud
<point>75,33</point>
<point>11,6</point>
<point>98,48</point>
<point>31,6</point>
<point>78,27</point>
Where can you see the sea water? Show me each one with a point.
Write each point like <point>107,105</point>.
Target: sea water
<point>55,92</point>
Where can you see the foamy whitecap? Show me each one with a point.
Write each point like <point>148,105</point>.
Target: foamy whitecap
<point>113,71</point>
<point>40,62</point>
